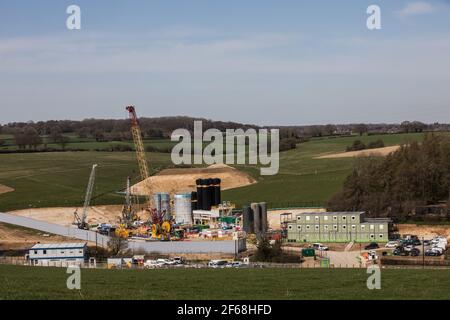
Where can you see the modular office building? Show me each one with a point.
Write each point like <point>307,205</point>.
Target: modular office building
<point>58,254</point>
<point>337,227</point>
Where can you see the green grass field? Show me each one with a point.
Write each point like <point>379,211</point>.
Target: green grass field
<point>59,179</point>
<point>50,283</point>
<point>302,178</point>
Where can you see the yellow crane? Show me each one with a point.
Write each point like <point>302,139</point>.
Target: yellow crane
<point>159,226</point>
<point>138,144</point>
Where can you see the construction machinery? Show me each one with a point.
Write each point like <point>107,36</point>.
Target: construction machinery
<point>128,213</point>
<point>80,221</point>
<point>160,228</point>
<point>139,145</point>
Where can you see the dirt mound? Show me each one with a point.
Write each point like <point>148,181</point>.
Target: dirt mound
<point>64,216</point>
<point>14,237</point>
<point>426,231</point>
<point>379,152</point>
<point>273,216</point>
<point>182,180</point>
<point>5,189</point>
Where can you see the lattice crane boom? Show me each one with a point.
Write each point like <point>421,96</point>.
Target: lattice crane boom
<point>138,143</point>
<point>81,221</point>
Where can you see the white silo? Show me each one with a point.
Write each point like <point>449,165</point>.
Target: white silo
<point>183,208</point>
<point>162,203</point>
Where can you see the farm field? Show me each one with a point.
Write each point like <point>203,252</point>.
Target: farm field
<point>304,180</point>
<point>290,284</point>
<point>59,178</point>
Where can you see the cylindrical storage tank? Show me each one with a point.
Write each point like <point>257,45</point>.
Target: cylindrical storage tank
<point>183,208</point>
<point>216,193</point>
<point>256,218</point>
<point>211,191</point>
<point>206,195</point>
<point>247,217</point>
<point>162,204</point>
<point>194,200</point>
<point>199,194</point>
<point>263,208</point>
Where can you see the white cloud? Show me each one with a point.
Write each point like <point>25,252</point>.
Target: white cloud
<point>416,8</point>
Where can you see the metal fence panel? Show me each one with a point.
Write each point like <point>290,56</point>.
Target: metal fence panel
<point>72,231</point>
<point>227,246</point>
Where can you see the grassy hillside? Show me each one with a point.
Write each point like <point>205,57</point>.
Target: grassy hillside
<point>285,284</point>
<point>59,179</point>
<point>302,178</point>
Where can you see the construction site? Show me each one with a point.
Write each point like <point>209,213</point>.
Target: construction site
<point>178,210</point>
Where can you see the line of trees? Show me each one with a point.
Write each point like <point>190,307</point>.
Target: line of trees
<point>358,145</point>
<point>415,175</point>
<point>117,130</point>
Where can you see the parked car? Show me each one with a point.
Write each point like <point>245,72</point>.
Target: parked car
<point>435,241</point>
<point>234,264</point>
<point>392,244</point>
<point>178,260</point>
<point>438,249</point>
<point>426,242</point>
<point>416,242</point>
<point>217,263</point>
<point>152,264</point>
<point>414,252</point>
<point>372,246</point>
<point>320,247</point>
<point>409,247</point>
<point>166,262</point>
<point>431,252</point>
<point>400,251</point>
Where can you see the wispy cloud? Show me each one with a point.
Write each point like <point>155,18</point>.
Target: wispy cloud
<point>416,8</point>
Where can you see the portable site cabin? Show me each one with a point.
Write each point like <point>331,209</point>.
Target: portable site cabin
<point>58,254</point>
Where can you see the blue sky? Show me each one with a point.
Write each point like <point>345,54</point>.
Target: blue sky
<point>263,62</point>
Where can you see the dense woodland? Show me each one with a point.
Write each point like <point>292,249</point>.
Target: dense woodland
<point>415,175</point>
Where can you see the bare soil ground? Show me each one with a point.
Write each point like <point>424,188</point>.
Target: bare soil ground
<point>380,152</point>
<point>64,216</point>
<point>14,237</point>
<point>426,231</point>
<point>273,216</point>
<point>183,180</point>
<point>5,189</point>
